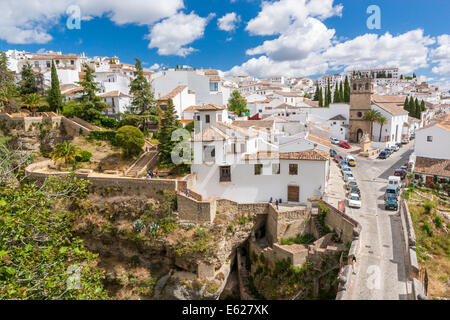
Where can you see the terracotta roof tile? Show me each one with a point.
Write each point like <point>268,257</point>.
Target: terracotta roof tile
<point>440,167</point>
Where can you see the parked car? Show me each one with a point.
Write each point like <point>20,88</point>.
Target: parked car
<point>413,136</point>
<point>338,158</point>
<point>354,201</point>
<point>404,168</point>
<point>388,151</point>
<point>342,163</point>
<point>405,141</point>
<point>346,170</point>
<point>391,190</point>
<point>351,161</point>
<point>344,145</point>
<point>394,180</point>
<point>391,203</point>
<point>333,153</point>
<point>383,155</point>
<point>348,176</point>
<point>351,184</point>
<point>400,173</point>
<point>355,190</point>
<point>394,148</point>
<point>334,140</point>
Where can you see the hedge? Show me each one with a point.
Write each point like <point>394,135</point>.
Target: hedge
<point>85,156</point>
<point>104,136</point>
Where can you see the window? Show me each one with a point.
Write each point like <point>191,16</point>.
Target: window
<point>258,169</point>
<point>334,122</point>
<point>36,64</point>
<point>207,118</point>
<point>198,118</point>
<point>243,148</point>
<point>275,168</point>
<point>430,139</point>
<point>72,62</point>
<point>359,114</point>
<point>293,169</point>
<point>49,64</point>
<point>225,174</point>
<point>213,86</point>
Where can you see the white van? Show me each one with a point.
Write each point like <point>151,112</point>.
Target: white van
<point>395,181</point>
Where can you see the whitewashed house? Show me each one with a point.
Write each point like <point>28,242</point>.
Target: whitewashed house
<point>238,164</point>
<point>118,102</point>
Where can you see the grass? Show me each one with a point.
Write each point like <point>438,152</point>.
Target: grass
<point>299,239</point>
<point>433,241</point>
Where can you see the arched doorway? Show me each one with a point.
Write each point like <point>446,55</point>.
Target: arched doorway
<point>359,135</point>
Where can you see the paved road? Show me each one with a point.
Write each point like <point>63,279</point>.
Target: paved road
<point>380,269</point>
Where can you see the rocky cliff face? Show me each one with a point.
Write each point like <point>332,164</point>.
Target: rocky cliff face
<point>143,240</point>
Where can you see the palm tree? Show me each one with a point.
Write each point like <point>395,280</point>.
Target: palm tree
<point>66,151</point>
<point>381,121</point>
<point>372,116</point>
<point>6,96</point>
<point>32,101</point>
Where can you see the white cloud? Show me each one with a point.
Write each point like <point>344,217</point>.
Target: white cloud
<point>297,42</point>
<point>228,22</point>
<point>276,17</point>
<point>441,55</point>
<point>408,51</point>
<point>172,35</point>
<point>29,21</point>
<point>155,66</point>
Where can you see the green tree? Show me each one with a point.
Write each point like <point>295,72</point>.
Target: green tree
<point>320,97</point>
<point>381,121</point>
<point>341,92</point>
<point>336,98</point>
<point>131,140</point>
<point>316,94</point>
<point>28,81</point>
<point>372,116</point>
<point>67,152</point>
<point>346,90</point>
<point>422,106</point>
<point>412,108</point>
<point>89,106</point>
<point>144,110</point>
<point>169,124</point>
<point>418,110</point>
<point>8,89</point>
<point>237,103</point>
<point>39,255</point>
<point>406,104</point>
<point>328,95</point>
<point>32,101</point>
<point>54,97</point>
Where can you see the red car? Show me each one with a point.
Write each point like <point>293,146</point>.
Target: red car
<point>344,145</point>
<point>338,158</point>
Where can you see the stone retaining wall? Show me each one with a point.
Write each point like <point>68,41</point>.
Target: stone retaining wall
<point>286,224</point>
<point>190,209</point>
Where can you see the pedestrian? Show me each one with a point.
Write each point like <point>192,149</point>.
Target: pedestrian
<point>276,203</point>
<point>271,200</point>
<point>157,176</point>
<point>187,193</point>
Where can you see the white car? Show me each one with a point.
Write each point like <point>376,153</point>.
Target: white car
<point>334,140</point>
<point>348,177</point>
<point>354,201</point>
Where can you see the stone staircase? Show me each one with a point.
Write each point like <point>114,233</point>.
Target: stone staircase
<point>317,226</point>
<point>142,163</point>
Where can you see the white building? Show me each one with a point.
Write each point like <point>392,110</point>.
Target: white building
<point>392,109</point>
<point>431,155</point>
<point>238,164</point>
<point>118,102</point>
<point>182,99</point>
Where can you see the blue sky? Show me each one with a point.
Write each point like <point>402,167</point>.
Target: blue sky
<point>318,36</point>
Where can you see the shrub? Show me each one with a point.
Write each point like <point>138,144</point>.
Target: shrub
<point>428,206</point>
<point>428,229</point>
<point>130,139</point>
<point>438,221</point>
<point>109,136</point>
<point>85,156</point>
<point>110,123</point>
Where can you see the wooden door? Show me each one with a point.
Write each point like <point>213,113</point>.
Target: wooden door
<point>293,194</point>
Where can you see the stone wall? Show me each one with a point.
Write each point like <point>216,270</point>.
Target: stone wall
<point>296,253</point>
<point>235,208</point>
<point>343,224</point>
<point>192,210</point>
<point>74,129</point>
<point>286,224</point>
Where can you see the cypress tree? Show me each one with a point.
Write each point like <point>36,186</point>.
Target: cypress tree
<point>417,105</point>
<point>320,97</point>
<point>341,93</point>
<point>336,94</point>
<point>54,97</point>
<point>169,123</point>
<point>316,94</point>
<point>406,104</point>
<point>412,108</point>
<point>422,106</point>
<point>328,95</point>
<point>346,90</point>
<point>28,81</point>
